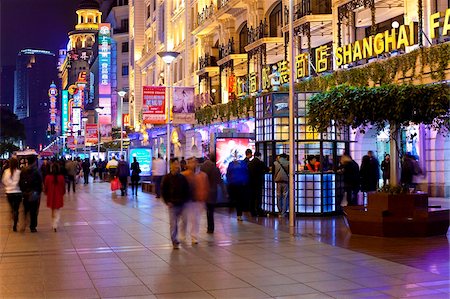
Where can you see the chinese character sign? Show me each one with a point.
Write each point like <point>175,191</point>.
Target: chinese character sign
<point>322,59</point>
<point>301,62</point>
<point>153,108</point>
<point>284,71</point>
<point>52,93</point>
<point>253,83</point>
<point>265,78</point>
<point>104,59</point>
<point>65,110</point>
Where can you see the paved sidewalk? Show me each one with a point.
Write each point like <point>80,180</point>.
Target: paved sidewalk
<point>109,246</point>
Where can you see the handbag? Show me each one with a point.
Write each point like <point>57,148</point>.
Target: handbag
<point>115,185</point>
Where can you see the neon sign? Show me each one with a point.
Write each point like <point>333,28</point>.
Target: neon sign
<point>65,110</point>
<point>52,93</point>
<point>104,69</point>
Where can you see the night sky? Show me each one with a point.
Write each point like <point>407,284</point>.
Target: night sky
<point>39,24</point>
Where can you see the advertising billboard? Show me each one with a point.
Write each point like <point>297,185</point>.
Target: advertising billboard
<point>91,134</point>
<point>144,157</point>
<point>105,132</point>
<point>153,108</point>
<point>183,109</point>
<point>229,148</point>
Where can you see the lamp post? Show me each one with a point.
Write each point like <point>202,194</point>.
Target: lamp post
<point>98,109</point>
<point>168,57</point>
<point>121,95</point>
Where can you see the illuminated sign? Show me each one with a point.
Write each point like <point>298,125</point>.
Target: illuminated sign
<point>52,93</point>
<point>153,108</point>
<point>436,24</point>
<point>144,158</point>
<point>104,54</point>
<point>65,110</point>
<point>390,40</point>
<point>91,134</point>
<point>126,119</point>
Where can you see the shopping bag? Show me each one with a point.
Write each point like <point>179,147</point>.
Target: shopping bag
<point>115,185</point>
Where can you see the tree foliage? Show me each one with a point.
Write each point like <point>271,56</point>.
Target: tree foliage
<point>399,105</point>
<point>11,131</point>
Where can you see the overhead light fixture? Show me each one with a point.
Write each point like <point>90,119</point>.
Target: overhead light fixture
<point>395,25</point>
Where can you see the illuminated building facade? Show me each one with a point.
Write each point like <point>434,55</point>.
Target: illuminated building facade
<point>235,48</point>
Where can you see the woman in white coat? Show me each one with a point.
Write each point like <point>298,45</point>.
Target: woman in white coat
<point>10,179</point>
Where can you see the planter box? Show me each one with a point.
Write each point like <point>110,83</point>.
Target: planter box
<point>401,215</point>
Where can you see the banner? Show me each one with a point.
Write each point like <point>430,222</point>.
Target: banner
<point>153,108</point>
<point>106,132</point>
<point>71,142</point>
<point>104,60</point>
<point>91,134</point>
<point>183,107</point>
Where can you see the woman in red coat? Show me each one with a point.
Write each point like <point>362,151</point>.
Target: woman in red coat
<point>54,188</point>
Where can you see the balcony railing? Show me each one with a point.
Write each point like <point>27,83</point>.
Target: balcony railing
<point>206,13</point>
<point>308,7</point>
<point>257,33</point>
<point>222,3</point>
<point>206,61</point>
<point>227,49</point>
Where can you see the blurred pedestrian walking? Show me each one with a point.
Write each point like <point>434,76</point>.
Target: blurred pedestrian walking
<point>31,186</point>
<point>54,188</point>
<point>237,181</point>
<point>175,192</point>
<point>158,171</point>
<point>215,183</point>
<point>123,172</point>
<point>111,166</point>
<point>256,170</point>
<point>10,179</point>
<point>281,178</point>
<point>71,171</point>
<point>86,166</point>
<point>386,169</point>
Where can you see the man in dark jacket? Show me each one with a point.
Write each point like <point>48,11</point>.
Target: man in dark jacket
<point>175,192</point>
<point>215,180</point>
<point>31,186</point>
<point>256,170</point>
<point>122,172</point>
<point>350,169</point>
<point>86,170</point>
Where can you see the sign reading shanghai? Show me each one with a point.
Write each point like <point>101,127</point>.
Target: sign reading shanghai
<point>104,60</point>
<point>91,135</point>
<point>153,108</point>
<point>183,109</point>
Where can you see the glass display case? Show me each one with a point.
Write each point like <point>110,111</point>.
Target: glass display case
<point>317,185</point>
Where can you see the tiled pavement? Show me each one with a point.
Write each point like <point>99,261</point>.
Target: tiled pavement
<point>109,246</point>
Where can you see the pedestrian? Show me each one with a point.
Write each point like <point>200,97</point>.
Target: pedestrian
<point>101,169</point>
<point>369,173</point>
<point>248,155</point>
<point>122,172</point>
<point>215,183</point>
<point>10,179</point>
<point>31,186</point>
<point>408,171</point>
<point>86,166</point>
<point>111,166</point>
<point>54,188</point>
<point>313,165</point>
<point>135,176</point>
<point>199,189</point>
<point>93,168</point>
<point>183,164</point>
<point>71,171</point>
<point>175,192</point>
<point>386,169</point>
<point>350,171</point>
<point>281,178</point>
<point>45,168</point>
<point>158,171</point>
<point>256,170</point>
<point>237,181</point>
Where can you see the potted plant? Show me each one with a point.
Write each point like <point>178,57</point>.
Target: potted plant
<point>392,212</point>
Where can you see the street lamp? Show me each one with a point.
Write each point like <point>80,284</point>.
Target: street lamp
<point>168,57</point>
<point>121,94</point>
<point>98,109</point>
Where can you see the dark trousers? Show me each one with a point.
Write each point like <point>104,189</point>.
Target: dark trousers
<point>123,184</point>
<point>100,175</point>
<point>352,196</point>
<point>70,179</point>
<point>14,200</point>
<point>237,197</point>
<point>157,181</point>
<point>255,200</point>
<point>134,184</point>
<point>86,177</point>
<point>32,207</point>
<point>210,216</point>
